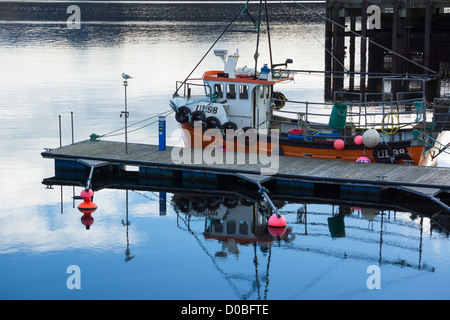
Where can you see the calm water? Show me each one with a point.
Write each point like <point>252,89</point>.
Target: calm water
<point>48,70</point>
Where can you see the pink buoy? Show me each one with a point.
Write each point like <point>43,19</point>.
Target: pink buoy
<point>87,220</point>
<point>277,232</point>
<point>87,195</point>
<point>363,159</point>
<point>358,140</point>
<point>277,221</point>
<point>339,144</point>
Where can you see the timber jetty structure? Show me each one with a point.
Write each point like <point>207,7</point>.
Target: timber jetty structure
<point>386,37</point>
<point>105,163</point>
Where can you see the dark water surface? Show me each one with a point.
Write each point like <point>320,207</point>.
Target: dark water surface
<point>144,244</point>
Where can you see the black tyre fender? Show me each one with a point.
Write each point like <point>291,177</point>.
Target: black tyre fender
<point>230,202</point>
<point>401,156</point>
<point>182,114</point>
<point>245,140</point>
<point>197,116</point>
<point>229,125</point>
<point>213,123</point>
<point>379,150</point>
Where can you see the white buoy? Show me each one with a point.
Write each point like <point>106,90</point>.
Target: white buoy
<point>371,138</point>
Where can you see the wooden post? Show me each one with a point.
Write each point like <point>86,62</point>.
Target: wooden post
<point>426,51</point>
<point>394,67</point>
<point>431,86</point>
<point>352,53</point>
<point>335,42</point>
<point>338,48</point>
<point>328,36</point>
<point>362,82</point>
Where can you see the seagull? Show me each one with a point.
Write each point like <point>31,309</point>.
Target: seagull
<point>126,76</point>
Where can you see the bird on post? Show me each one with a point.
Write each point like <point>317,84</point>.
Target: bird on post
<point>126,76</point>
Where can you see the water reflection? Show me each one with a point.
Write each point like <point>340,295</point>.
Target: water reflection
<point>52,70</point>
<point>233,222</point>
<point>239,221</point>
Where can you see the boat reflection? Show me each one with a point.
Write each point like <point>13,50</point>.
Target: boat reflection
<point>240,221</point>
<point>232,230</point>
<point>231,220</point>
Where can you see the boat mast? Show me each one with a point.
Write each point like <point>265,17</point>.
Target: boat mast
<point>212,46</point>
<point>257,38</point>
<point>268,35</point>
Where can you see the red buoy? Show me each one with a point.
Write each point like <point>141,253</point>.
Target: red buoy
<point>87,207</point>
<point>277,232</point>
<point>87,220</point>
<point>277,221</point>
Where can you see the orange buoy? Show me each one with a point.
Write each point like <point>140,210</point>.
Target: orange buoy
<point>87,207</point>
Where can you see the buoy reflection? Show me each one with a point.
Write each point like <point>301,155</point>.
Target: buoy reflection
<point>87,207</point>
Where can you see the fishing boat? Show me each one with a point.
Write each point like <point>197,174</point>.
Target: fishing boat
<point>245,106</point>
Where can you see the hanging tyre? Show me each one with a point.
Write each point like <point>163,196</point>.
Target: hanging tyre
<point>383,153</point>
<point>213,123</point>
<point>401,158</point>
<point>197,116</point>
<point>182,114</point>
<point>229,125</point>
<point>247,136</point>
<point>230,202</point>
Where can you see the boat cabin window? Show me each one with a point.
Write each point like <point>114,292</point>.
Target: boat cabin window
<point>231,227</point>
<point>231,91</point>
<point>218,90</point>
<point>243,92</point>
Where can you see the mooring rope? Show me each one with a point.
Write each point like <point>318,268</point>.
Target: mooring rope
<point>96,137</point>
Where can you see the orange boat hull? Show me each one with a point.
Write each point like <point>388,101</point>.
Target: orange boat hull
<point>292,147</point>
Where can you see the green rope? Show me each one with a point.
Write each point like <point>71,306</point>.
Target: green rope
<point>442,148</point>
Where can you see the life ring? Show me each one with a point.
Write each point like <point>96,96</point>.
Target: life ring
<point>182,114</point>
<point>279,100</point>
<point>401,156</point>
<point>197,116</point>
<point>213,123</point>
<point>383,153</point>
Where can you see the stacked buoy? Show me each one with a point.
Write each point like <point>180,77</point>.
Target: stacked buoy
<point>87,207</point>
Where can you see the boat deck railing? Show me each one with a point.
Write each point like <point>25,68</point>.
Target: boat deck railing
<point>386,116</point>
<point>193,87</point>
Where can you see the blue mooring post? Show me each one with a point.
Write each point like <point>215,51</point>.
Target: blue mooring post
<point>162,133</point>
<point>162,204</point>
